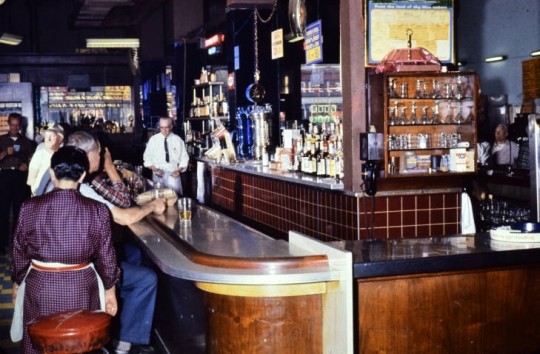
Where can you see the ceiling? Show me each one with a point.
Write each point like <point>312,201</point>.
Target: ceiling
<point>114,13</point>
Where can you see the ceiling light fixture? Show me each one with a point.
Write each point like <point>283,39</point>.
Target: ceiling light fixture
<point>497,58</point>
<point>10,39</point>
<point>536,53</point>
<point>112,43</point>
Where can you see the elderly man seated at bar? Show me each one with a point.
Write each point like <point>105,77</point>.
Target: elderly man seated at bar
<point>41,160</point>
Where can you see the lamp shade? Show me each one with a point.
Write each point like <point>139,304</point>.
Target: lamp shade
<point>409,59</point>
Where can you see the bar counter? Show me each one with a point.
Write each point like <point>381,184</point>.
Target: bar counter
<point>452,294</point>
<point>275,202</point>
<point>226,288</point>
<point>256,168</point>
<point>196,252</point>
<point>460,294</point>
<point>375,258</point>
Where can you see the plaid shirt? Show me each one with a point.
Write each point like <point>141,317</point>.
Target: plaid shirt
<point>118,193</point>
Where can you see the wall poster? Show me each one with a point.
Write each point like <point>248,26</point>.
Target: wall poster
<point>431,22</point>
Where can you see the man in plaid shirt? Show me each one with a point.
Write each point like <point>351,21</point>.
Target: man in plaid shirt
<point>117,192</point>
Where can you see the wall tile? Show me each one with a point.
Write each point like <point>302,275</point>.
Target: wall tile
<point>423,202</point>
<point>409,231</point>
<point>423,216</point>
<point>423,231</point>
<point>330,215</point>
<point>394,203</point>
<point>409,217</point>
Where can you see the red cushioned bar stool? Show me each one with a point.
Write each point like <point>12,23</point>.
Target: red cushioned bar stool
<point>69,332</point>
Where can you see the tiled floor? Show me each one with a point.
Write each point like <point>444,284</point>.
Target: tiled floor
<point>6,308</point>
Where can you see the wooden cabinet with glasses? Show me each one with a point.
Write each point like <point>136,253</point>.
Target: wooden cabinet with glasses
<point>428,120</point>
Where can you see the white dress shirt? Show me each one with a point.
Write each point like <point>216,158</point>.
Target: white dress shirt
<point>506,153</point>
<point>154,155</point>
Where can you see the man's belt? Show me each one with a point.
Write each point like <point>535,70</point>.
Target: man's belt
<point>8,168</point>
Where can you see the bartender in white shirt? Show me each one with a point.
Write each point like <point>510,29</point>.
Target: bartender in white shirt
<point>504,151</point>
<point>166,156</point>
<point>501,152</point>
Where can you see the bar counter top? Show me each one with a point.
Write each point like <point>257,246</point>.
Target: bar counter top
<point>216,248</point>
<point>376,258</point>
<point>256,168</point>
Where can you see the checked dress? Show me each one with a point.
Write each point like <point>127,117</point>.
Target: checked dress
<point>62,226</point>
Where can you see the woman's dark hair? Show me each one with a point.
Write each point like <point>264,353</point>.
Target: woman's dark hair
<point>69,162</point>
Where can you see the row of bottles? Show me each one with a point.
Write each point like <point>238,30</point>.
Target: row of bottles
<point>317,151</point>
<point>208,106</point>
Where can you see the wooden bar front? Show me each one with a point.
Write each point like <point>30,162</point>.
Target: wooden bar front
<point>478,311</point>
<point>253,320</point>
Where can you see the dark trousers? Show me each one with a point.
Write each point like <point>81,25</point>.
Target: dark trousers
<point>13,191</point>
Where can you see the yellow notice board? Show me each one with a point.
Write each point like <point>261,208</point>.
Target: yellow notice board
<point>531,84</point>
<point>431,23</point>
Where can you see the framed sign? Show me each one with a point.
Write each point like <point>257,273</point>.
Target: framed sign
<point>431,24</point>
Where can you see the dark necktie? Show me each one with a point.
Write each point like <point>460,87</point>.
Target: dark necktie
<point>166,151</point>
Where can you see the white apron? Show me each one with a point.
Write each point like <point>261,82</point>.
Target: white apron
<point>17,323</point>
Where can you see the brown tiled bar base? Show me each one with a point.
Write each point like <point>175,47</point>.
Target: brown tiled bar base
<point>330,215</point>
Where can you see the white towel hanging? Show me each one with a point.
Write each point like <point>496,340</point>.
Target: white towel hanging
<point>467,216</point>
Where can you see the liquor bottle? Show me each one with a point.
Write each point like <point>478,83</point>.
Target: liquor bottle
<point>224,107</point>
<point>321,159</point>
<point>313,156</point>
<point>192,108</point>
<point>331,160</point>
<point>339,161</point>
<point>298,151</point>
<point>306,156</point>
<point>197,107</point>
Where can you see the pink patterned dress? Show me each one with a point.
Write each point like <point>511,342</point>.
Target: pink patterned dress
<point>62,226</point>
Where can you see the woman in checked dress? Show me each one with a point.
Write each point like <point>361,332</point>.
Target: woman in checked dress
<point>62,244</point>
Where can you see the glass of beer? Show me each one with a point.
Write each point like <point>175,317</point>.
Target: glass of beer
<point>184,210</point>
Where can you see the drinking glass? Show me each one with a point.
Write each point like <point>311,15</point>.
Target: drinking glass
<point>449,91</point>
<point>425,119</point>
<point>459,89</point>
<point>436,90</point>
<point>184,210</point>
<point>157,193</point>
<point>470,116</point>
<point>467,89</point>
<point>392,119</point>
<point>402,118</point>
<point>418,93</point>
<point>450,116</point>
<point>392,93</point>
<point>458,119</point>
<point>404,91</point>
<point>414,118</point>
<point>436,117</point>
